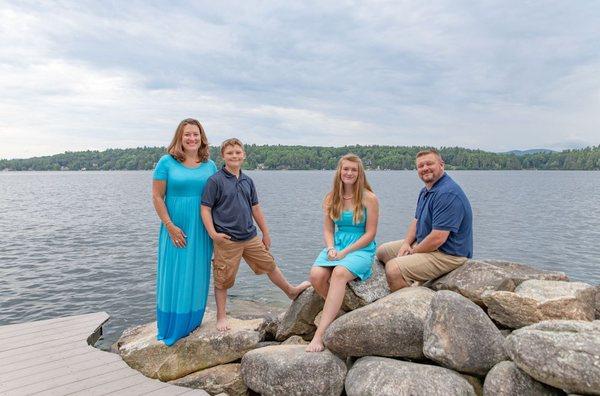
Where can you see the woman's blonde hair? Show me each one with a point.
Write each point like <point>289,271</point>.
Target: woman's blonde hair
<point>176,148</point>
<point>335,203</point>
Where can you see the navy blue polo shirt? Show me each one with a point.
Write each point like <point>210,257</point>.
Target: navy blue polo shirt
<point>231,199</point>
<point>445,207</point>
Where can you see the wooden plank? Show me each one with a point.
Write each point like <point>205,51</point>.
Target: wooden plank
<point>70,367</point>
<point>36,360</point>
<point>76,335</point>
<point>45,322</point>
<point>144,388</point>
<point>114,386</point>
<point>116,369</point>
<point>196,392</point>
<point>32,327</point>
<point>171,390</point>
<point>27,353</point>
<point>71,342</point>
<point>90,382</point>
<point>85,329</point>
<point>56,327</point>
<point>35,371</point>
<point>25,326</point>
<point>46,334</point>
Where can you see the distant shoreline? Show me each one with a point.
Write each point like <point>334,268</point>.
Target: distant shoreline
<point>277,157</point>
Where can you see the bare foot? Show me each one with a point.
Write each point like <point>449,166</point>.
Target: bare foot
<point>223,325</point>
<point>296,290</point>
<point>316,345</point>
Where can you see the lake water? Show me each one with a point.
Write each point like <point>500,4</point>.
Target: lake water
<point>79,242</point>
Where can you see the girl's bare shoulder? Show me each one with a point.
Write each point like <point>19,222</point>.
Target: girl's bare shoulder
<point>370,197</point>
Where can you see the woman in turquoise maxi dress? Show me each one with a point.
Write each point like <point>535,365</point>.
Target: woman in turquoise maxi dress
<point>184,247</point>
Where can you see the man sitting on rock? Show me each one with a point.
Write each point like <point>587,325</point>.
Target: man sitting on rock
<point>440,237</point>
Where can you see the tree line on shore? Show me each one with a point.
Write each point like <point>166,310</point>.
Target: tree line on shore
<point>314,157</point>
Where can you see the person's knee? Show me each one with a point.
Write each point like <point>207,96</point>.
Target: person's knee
<point>394,276</point>
<point>340,273</point>
<point>390,270</point>
<point>315,277</point>
<point>380,252</point>
<point>225,285</point>
<point>268,270</point>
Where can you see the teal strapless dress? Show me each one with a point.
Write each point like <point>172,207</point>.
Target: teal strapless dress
<point>183,274</point>
<point>359,262</point>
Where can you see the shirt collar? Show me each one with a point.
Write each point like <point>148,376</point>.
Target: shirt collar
<point>229,174</point>
<point>436,184</point>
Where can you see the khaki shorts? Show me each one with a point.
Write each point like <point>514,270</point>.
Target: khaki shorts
<point>228,255</point>
<point>418,267</point>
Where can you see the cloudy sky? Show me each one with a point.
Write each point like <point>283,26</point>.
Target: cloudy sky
<point>494,75</point>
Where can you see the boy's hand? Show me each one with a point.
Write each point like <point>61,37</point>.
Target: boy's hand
<point>220,237</point>
<point>266,240</point>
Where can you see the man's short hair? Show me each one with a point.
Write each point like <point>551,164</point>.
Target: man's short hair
<point>429,151</point>
<point>231,142</point>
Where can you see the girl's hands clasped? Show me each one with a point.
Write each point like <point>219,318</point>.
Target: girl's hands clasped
<point>177,235</point>
<point>334,255</point>
<point>331,254</point>
<point>341,254</point>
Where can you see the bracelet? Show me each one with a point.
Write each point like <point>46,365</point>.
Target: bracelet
<point>330,249</point>
<point>168,222</point>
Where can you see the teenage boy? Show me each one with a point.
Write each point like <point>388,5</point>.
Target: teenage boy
<point>229,209</point>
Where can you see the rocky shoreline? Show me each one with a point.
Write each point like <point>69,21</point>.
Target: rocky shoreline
<point>490,327</point>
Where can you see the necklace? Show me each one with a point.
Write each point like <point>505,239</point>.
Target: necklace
<point>346,197</point>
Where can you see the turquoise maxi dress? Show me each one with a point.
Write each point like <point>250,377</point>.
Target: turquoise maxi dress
<point>183,274</point>
<point>360,261</point>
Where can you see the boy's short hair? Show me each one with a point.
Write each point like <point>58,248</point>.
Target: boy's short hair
<point>231,142</point>
<point>430,151</point>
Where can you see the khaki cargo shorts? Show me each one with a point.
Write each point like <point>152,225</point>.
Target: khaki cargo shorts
<point>228,255</point>
<point>418,267</point>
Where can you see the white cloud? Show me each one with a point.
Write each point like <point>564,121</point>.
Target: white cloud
<point>493,75</point>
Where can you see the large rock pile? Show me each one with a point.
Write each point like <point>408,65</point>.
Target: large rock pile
<point>452,336</point>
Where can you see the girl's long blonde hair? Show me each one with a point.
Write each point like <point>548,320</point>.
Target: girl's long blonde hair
<point>335,202</point>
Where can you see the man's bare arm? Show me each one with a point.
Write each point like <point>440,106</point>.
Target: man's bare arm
<point>432,242</point>
<point>409,238</point>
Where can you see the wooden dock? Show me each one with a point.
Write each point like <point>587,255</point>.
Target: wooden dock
<point>57,357</point>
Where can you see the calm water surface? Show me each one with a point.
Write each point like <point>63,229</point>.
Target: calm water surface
<point>78,242</point>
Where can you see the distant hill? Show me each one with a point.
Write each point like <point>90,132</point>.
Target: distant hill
<point>530,151</point>
<point>313,157</point>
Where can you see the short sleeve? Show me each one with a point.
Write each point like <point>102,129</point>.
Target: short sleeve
<point>161,171</point>
<point>253,195</point>
<point>448,213</point>
<point>419,205</point>
<point>209,196</point>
